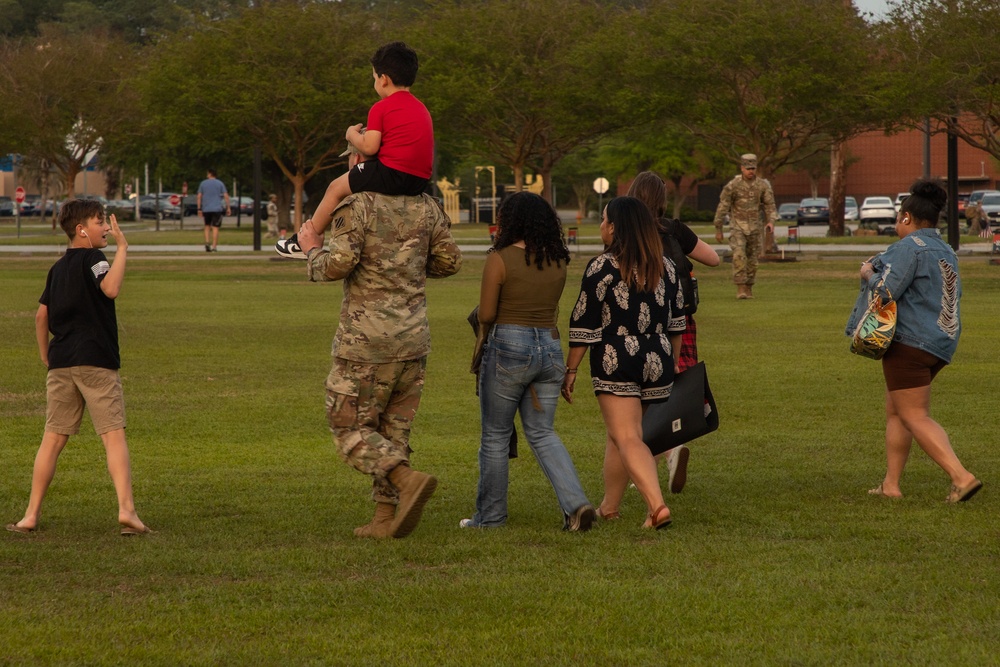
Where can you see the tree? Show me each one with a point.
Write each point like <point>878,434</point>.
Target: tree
<point>784,80</point>
<point>947,59</point>
<point>63,95</point>
<point>287,77</point>
<point>525,81</point>
<point>664,147</point>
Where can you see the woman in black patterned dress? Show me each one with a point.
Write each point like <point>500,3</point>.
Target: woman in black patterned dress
<point>630,315</point>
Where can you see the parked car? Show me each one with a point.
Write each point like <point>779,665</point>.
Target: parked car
<point>245,205</point>
<point>850,208</point>
<point>899,200</point>
<point>103,200</point>
<point>963,199</point>
<point>32,205</point>
<point>148,207</point>
<point>877,211</point>
<point>977,195</point>
<point>6,207</point>
<point>991,207</point>
<point>788,212</point>
<point>815,209</point>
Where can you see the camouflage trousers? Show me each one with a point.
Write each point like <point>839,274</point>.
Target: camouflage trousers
<point>371,408</point>
<point>745,247</point>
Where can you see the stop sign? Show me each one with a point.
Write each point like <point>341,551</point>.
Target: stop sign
<point>19,195</point>
<point>175,200</point>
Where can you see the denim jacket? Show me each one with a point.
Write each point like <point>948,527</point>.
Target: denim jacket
<point>919,273</point>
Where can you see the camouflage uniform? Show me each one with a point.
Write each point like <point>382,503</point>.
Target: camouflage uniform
<point>974,214</point>
<point>743,200</point>
<point>383,248</point>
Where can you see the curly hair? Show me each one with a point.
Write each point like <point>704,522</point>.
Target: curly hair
<point>524,216</point>
<point>926,201</point>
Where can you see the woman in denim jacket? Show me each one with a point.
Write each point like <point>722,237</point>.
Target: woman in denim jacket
<point>920,273</point>
<point>522,368</point>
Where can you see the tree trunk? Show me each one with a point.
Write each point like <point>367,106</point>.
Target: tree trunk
<point>299,181</point>
<point>838,189</point>
<point>546,175</point>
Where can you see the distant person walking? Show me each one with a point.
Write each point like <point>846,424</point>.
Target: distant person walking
<point>920,274</point>
<point>744,199</point>
<point>77,332</point>
<point>272,216</point>
<point>213,202</point>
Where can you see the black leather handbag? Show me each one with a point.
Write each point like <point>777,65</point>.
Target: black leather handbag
<point>689,413</point>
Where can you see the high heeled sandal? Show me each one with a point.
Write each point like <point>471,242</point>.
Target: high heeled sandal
<point>663,523</point>
<point>608,516</point>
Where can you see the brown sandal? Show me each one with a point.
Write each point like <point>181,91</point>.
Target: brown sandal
<point>655,514</point>
<point>608,516</point>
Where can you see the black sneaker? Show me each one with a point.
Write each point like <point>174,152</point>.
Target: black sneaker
<point>290,248</point>
<point>208,248</point>
<point>581,520</point>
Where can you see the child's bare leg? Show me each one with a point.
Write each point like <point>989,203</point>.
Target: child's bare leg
<point>41,476</point>
<point>116,448</point>
<point>338,189</point>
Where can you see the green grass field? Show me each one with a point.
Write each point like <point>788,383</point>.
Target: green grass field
<point>776,556</point>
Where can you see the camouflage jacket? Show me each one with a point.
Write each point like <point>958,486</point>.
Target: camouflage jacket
<point>743,201</point>
<point>384,248</point>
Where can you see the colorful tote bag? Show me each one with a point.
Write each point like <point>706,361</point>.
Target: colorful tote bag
<point>874,332</point>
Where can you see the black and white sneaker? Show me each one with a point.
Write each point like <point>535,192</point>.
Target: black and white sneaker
<point>290,248</point>
<point>581,520</point>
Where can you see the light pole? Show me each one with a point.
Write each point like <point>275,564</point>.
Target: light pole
<point>493,193</point>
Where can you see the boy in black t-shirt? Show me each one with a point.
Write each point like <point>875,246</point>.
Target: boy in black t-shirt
<point>77,308</point>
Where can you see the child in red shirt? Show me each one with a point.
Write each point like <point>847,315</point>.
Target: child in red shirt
<point>400,131</point>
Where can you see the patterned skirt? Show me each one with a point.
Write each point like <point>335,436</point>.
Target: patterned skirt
<point>636,366</point>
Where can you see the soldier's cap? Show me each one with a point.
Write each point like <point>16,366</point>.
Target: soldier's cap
<point>748,160</point>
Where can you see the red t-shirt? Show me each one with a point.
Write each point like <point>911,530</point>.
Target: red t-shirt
<point>407,133</point>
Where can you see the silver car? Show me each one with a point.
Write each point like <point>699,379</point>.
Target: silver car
<point>991,207</point>
<point>850,208</point>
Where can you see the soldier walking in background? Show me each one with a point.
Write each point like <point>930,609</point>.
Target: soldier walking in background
<point>744,199</point>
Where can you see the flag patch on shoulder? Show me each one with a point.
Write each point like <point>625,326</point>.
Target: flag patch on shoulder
<point>100,268</point>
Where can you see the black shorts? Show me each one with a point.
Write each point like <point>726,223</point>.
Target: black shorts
<point>212,219</point>
<point>373,176</point>
<point>907,367</point>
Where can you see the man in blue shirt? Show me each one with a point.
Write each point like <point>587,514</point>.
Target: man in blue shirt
<point>213,201</point>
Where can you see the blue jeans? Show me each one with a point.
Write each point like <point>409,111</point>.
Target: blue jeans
<point>517,358</point>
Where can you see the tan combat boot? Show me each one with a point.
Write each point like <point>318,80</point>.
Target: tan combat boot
<point>741,292</point>
<point>749,291</point>
<point>415,489</point>
<point>380,525</point>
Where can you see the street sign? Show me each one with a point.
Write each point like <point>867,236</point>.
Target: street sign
<point>19,195</point>
<point>601,185</point>
<point>175,200</point>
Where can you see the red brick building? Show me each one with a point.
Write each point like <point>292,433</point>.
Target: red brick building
<point>885,165</point>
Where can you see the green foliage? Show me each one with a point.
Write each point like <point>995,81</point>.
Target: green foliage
<point>63,94</point>
<point>945,56</point>
<point>777,555</point>
<point>519,80</point>
<point>764,76</point>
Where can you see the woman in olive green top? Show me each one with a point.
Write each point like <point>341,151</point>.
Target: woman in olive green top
<point>523,369</point>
